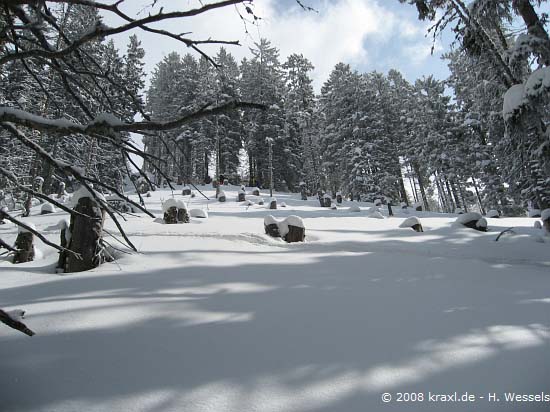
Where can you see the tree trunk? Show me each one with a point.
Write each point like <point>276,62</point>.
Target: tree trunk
<point>25,248</point>
<point>86,234</point>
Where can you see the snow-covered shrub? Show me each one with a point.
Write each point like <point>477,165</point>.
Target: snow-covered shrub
<point>534,213</point>
<point>493,213</point>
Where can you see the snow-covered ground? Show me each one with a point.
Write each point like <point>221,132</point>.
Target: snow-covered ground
<point>216,316</point>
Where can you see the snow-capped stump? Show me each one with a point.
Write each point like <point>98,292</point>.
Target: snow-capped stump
<point>377,202</point>
<point>339,198</point>
<point>418,206</point>
<point>292,229</point>
<point>241,195</point>
<point>186,191</point>
<point>61,193</point>
<point>545,217</point>
<point>354,209</point>
<point>199,213</point>
<point>271,226</point>
<point>403,205</point>
<point>182,215</point>
<point>273,203</point>
<point>473,220</point>
<point>413,222</point>
<point>86,231</point>
<point>142,186</point>
<point>493,214</point>
<point>283,204</point>
<point>221,196</point>
<point>256,191</point>
<point>334,207</point>
<point>535,213</point>
<point>38,183</point>
<point>261,202</point>
<point>459,211</point>
<point>24,245</point>
<point>326,200</point>
<point>170,209</point>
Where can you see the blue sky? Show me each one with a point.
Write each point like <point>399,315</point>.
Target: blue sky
<point>367,34</point>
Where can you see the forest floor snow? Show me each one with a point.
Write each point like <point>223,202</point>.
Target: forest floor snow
<point>215,316</point>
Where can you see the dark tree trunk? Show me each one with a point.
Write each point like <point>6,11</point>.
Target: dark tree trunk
<point>86,234</point>
<point>25,248</point>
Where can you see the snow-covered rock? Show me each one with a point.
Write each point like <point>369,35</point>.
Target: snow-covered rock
<point>354,208</point>
<point>468,217</point>
<point>199,213</point>
<point>410,222</point>
<point>493,213</point>
<point>47,208</point>
<point>376,215</point>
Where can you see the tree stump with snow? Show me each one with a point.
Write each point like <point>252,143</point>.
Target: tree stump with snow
<point>47,208</point>
<point>171,215</point>
<point>86,233</point>
<point>241,196</point>
<point>24,245</point>
<point>339,198</point>
<point>472,220</point>
<point>182,215</point>
<point>186,191</point>
<point>418,207</point>
<point>494,214</point>
<point>221,196</point>
<point>271,226</point>
<point>256,192</point>
<point>292,229</point>
<point>273,204</point>
<point>326,200</point>
<point>142,186</point>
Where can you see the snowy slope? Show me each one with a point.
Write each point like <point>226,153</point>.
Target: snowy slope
<point>216,316</point>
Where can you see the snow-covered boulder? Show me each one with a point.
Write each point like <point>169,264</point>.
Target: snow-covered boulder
<point>47,208</point>
<point>376,215</point>
<point>412,222</point>
<point>473,220</point>
<point>493,214</point>
<point>354,209</point>
<point>198,213</point>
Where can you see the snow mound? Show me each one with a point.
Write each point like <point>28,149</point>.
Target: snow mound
<point>493,213</point>
<point>468,217</point>
<point>47,208</point>
<point>199,213</point>
<point>410,222</point>
<point>168,204</point>
<point>181,205</point>
<point>283,204</point>
<point>270,220</point>
<point>354,209</point>
<point>376,215</point>
<point>545,214</point>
